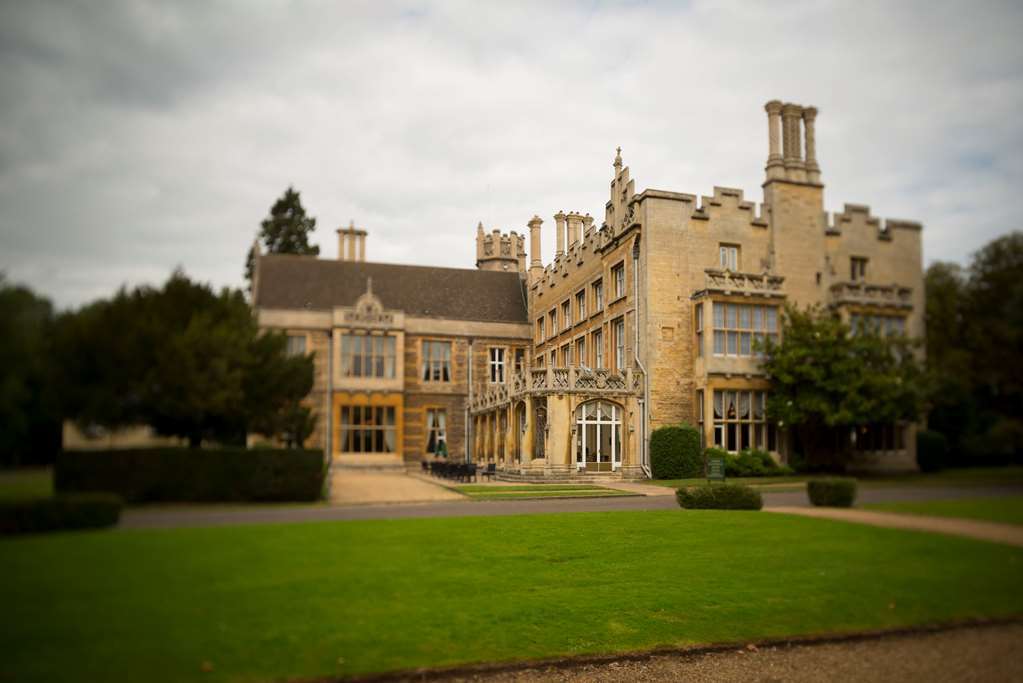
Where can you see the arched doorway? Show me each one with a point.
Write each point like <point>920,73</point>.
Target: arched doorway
<point>598,444</point>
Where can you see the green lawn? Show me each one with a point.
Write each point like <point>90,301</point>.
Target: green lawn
<point>1004,510</point>
<point>969,476</point>
<point>26,483</point>
<point>322,599</point>
<point>528,491</point>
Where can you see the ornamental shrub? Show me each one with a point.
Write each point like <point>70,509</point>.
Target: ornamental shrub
<point>836,492</point>
<point>751,463</point>
<point>719,497</point>
<point>931,451</point>
<point>675,452</point>
<point>191,474</point>
<point>78,511</point>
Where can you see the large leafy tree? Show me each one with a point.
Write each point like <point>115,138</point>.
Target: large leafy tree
<point>183,359</point>
<point>285,231</point>
<point>826,380</point>
<point>29,415</point>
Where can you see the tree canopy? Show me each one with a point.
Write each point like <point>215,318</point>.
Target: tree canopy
<point>285,231</point>
<point>825,379</point>
<point>182,359</point>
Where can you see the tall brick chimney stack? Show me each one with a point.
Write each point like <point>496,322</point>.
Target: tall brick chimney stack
<point>790,134</point>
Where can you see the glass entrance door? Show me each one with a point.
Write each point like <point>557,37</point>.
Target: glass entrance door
<point>598,437</point>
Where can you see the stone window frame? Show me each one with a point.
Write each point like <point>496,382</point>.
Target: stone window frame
<point>760,322</point>
<point>597,337</point>
<point>618,339</point>
<point>434,430</point>
<point>541,328</point>
<point>552,318</point>
<point>729,256</point>
<point>387,359</point>
<point>858,268</point>
<point>434,364</point>
<point>580,350</point>
<point>364,431</point>
<point>496,364</point>
<point>566,314</point>
<point>566,354</point>
<point>732,428</point>
<point>698,325</point>
<point>618,278</point>
<point>597,286</point>
<point>580,305</point>
<point>886,324</point>
<point>288,348</point>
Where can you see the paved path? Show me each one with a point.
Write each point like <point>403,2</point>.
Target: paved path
<point>361,488</point>
<point>211,515</point>
<point>979,654</point>
<point>985,531</point>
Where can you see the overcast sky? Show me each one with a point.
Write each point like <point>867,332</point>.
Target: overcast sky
<point>138,136</point>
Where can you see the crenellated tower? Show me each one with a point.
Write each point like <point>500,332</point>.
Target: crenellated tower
<point>500,251</point>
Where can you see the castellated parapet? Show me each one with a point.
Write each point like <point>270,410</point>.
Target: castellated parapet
<point>500,251</point>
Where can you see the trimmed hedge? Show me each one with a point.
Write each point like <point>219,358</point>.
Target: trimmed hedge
<point>675,452</point>
<point>836,492</point>
<point>931,451</point>
<point>719,497</point>
<point>194,475</point>
<point>753,463</point>
<point>77,511</point>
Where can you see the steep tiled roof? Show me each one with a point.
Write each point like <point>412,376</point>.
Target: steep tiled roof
<point>306,282</point>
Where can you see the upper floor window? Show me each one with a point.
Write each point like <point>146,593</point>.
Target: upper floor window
<point>737,326</point>
<point>698,315</point>
<point>539,329</point>
<point>520,360</point>
<point>295,345</point>
<point>619,337</point>
<point>364,355</point>
<point>618,275</point>
<point>886,325</point>
<point>497,365</point>
<point>598,349</point>
<point>539,361</point>
<point>553,322</point>
<point>566,314</point>
<point>554,358</point>
<point>598,295</point>
<point>580,351</point>
<point>580,304</point>
<point>729,257</point>
<point>436,361</point>
<point>857,268</point>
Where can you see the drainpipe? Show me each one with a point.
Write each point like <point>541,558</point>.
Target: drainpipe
<point>329,438</point>
<point>468,405</point>
<point>644,426</point>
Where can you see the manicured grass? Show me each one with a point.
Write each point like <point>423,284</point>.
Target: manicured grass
<point>1004,510</point>
<point>795,480</point>
<point>279,602</point>
<point>969,476</point>
<point>26,483</point>
<point>531,491</point>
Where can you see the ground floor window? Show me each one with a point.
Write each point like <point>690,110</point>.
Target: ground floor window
<point>699,417</point>
<point>367,429</point>
<point>740,421</point>
<point>598,437</point>
<point>879,437</point>
<point>436,431</point>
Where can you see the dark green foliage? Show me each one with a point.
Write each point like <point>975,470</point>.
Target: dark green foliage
<point>29,410</point>
<point>931,451</point>
<point>825,380</point>
<point>185,474</point>
<point>183,359</point>
<point>753,463</point>
<point>286,230</point>
<point>836,492</point>
<point>719,497</point>
<point>675,452</point>
<point>75,511</point>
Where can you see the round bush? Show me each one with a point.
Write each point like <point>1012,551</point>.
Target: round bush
<point>836,492</point>
<point>675,452</point>
<point>74,511</point>
<point>931,451</point>
<point>719,497</point>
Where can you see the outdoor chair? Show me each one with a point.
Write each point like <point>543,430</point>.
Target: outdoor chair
<point>490,471</point>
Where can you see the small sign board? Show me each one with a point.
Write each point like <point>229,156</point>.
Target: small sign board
<point>716,469</point>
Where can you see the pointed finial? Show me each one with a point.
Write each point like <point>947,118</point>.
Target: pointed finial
<point>618,158</point>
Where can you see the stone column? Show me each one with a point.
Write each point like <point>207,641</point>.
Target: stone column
<point>813,171</point>
<point>587,225</point>
<point>362,246</point>
<point>559,222</point>
<point>575,222</point>
<point>535,258</point>
<point>775,164</point>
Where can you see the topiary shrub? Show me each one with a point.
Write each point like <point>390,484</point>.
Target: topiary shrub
<point>78,511</point>
<point>192,474</point>
<point>836,492</point>
<point>751,463</point>
<point>675,452</point>
<point>719,497</point>
<point>931,451</point>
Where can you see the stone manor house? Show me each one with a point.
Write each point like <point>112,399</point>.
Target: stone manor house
<point>563,368</point>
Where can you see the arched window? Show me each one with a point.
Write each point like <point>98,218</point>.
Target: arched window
<point>598,443</point>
